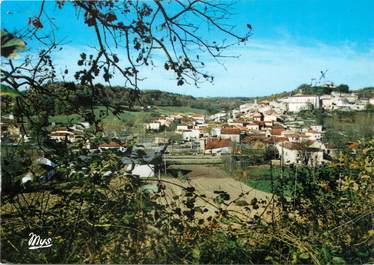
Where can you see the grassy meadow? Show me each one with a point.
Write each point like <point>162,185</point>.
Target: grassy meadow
<point>131,120</point>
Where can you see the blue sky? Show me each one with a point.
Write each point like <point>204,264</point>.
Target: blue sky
<point>292,41</point>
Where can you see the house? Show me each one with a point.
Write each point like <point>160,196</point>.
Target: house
<point>152,126</point>
<point>80,127</point>
<point>235,113</point>
<point>330,151</point>
<point>221,116</point>
<point>181,128</point>
<point>256,141</point>
<point>327,102</point>
<point>61,134</point>
<point>164,122</point>
<point>258,116</point>
<point>231,133</point>
<point>216,146</point>
<point>294,136</point>
<point>253,126</point>
<point>298,153</point>
<point>268,124</point>
<point>261,124</point>
<point>190,134</point>
<point>198,119</point>
<point>302,102</point>
<point>270,116</point>
<point>111,146</point>
<point>215,132</point>
<point>313,135</point>
<point>277,131</point>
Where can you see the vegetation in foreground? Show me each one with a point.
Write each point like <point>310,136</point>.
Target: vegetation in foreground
<point>96,217</point>
<point>325,218</point>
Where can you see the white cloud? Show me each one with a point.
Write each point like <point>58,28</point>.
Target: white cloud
<point>263,68</point>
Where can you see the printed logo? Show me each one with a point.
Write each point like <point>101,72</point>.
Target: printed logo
<point>36,242</point>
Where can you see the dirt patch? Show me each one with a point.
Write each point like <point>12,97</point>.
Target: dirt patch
<point>244,202</point>
<point>209,179</point>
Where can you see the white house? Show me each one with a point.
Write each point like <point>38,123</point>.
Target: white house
<point>111,146</point>
<point>181,128</point>
<point>258,116</point>
<point>218,116</point>
<point>215,132</point>
<point>270,116</point>
<point>153,126</point>
<point>235,113</point>
<point>313,135</point>
<point>295,153</point>
<point>191,134</point>
<point>61,134</point>
<point>233,134</point>
<point>198,119</point>
<point>253,126</point>
<point>217,146</point>
<point>302,102</point>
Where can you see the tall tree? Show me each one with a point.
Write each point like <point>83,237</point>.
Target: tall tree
<point>129,34</point>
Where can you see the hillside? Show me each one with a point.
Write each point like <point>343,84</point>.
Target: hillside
<point>365,92</point>
<point>123,99</point>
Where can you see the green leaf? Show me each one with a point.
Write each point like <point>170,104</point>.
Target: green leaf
<point>8,91</point>
<point>10,45</point>
<point>304,256</point>
<point>338,260</point>
<point>196,253</point>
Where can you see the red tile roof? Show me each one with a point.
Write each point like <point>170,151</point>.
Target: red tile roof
<point>254,138</point>
<point>353,146</point>
<point>259,123</point>
<point>110,145</point>
<point>217,143</point>
<point>278,126</point>
<point>279,139</point>
<point>230,131</point>
<point>276,131</point>
<point>299,146</point>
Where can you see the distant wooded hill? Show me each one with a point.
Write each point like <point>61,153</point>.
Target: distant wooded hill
<point>366,92</point>
<point>68,98</point>
<point>307,89</point>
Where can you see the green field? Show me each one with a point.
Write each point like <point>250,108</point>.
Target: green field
<point>342,127</point>
<point>259,177</point>
<point>132,120</point>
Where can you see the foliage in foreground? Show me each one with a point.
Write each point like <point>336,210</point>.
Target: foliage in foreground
<point>93,217</point>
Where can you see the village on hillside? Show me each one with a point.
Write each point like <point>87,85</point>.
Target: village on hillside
<point>270,128</point>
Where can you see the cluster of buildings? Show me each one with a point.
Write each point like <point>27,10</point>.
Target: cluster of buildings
<point>254,125</point>
<point>333,101</point>
<point>258,125</point>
